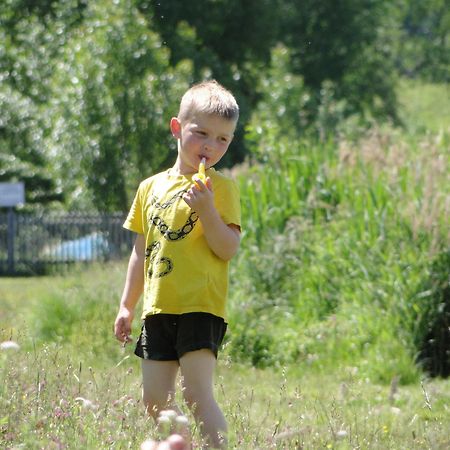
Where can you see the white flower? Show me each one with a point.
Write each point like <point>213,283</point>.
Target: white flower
<point>85,403</point>
<point>9,345</point>
<point>341,434</point>
<point>164,420</point>
<point>170,413</point>
<point>149,444</point>
<point>182,420</point>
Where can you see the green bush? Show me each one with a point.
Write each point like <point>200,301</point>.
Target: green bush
<point>333,258</point>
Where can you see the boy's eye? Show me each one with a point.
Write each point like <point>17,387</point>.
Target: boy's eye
<point>201,133</point>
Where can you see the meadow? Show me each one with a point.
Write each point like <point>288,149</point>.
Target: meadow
<point>338,309</point>
<point>83,390</point>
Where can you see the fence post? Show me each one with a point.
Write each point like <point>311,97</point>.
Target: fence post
<point>11,236</point>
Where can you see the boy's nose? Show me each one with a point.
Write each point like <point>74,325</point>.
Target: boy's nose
<point>209,146</point>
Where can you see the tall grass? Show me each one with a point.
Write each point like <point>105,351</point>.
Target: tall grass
<point>58,395</point>
<point>340,240</point>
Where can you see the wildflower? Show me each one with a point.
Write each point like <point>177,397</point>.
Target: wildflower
<point>9,345</point>
<point>175,442</point>
<point>341,434</point>
<point>182,420</point>
<point>58,412</point>
<point>85,403</point>
<point>169,413</point>
<point>164,420</point>
<point>149,444</point>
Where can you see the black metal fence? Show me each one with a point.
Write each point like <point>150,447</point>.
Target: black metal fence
<point>36,244</point>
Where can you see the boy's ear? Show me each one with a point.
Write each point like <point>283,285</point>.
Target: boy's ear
<point>175,127</point>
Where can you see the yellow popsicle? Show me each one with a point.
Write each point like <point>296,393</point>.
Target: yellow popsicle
<point>201,174</point>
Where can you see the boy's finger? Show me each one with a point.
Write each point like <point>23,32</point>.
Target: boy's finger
<point>198,184</point>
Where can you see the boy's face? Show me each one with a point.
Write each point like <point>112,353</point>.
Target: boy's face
<point>201,136</point>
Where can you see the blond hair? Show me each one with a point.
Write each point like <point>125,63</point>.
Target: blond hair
<point>208,97</point>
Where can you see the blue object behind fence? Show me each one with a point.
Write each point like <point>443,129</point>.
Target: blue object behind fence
<point>92,247</point>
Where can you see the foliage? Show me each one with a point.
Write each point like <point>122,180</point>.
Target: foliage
<point>346,43</point>
<point>87,90</point>
<point>22,129</point>
<point>83,389</point>
<point>424,41</point>
<point>431,309</point>
<point>113,115</point>
<point>86,101</point>
<point>344,51</point>
<point>339,238</point>
<point>289,110</point>
<point>29,43</point>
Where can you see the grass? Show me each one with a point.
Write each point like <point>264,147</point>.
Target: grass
<point>42,406</point>
<point>289,406</point>
<point>340,240</point>
<point>424,106</point>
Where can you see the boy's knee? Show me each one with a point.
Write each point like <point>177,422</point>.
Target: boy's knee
<point>197,397</point>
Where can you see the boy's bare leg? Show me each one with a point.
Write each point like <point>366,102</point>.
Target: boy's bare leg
<point>158,386</point>
<point>197,370</point>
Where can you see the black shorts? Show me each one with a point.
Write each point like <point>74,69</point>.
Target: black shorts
<point>167,337</point>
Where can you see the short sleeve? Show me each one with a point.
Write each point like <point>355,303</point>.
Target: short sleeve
<point>134,221</point>
<point>228,202</point>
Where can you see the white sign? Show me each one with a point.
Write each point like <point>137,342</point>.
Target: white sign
<point>12,194</point>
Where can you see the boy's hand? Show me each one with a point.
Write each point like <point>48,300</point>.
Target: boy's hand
<point>200,196</point>
<point>122,325</point>
<point>223,239</point>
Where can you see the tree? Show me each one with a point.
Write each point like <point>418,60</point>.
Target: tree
<point>424,39</point>
<point>30,43</point>
<point>229,40</point>
<point>117,92</point>
<point>345,43</point>
<point>86,102</point>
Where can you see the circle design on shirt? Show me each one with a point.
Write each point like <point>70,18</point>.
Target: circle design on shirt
<point>175,235</point>
<point>161,266</point>
<point>151,253</point>
<point>154,201</point>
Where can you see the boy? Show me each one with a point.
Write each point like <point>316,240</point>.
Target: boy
<point>188,230</point>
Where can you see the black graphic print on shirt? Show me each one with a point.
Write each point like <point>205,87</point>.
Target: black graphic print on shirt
<point>160,266</point>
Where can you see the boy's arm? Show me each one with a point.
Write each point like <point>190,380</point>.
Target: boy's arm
<point>223,239</point>
<point>134,285</point>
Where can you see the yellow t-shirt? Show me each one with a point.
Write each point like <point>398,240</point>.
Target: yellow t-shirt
<point>181,273</point>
